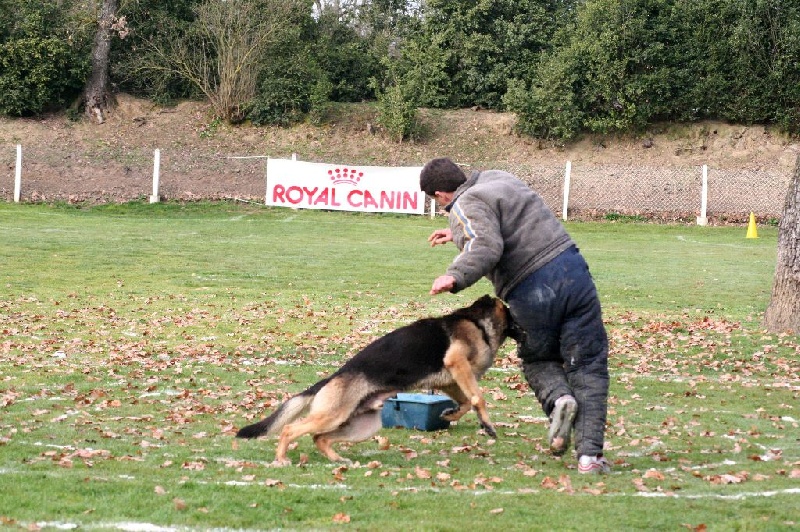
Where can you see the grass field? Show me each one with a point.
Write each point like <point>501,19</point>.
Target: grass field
<point>136,339</point>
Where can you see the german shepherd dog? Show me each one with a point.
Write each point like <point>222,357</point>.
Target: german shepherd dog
<point>448,353</point>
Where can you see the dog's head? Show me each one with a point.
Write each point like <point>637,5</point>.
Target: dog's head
<point>514,331</point>
<point>497,313</point>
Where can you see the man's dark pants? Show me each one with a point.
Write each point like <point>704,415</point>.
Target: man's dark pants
<point>565,351</point>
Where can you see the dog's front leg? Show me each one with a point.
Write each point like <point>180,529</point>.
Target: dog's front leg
<point>456,360</point>
<point>464,406</point>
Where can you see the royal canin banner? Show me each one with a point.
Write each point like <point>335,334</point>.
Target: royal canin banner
<point>303,185</point>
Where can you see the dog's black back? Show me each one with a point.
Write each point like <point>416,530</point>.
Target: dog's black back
<point>404,356</point>
<point>407,355</point>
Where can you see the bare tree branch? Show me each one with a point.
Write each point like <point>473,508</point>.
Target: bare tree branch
<point>224,54</point>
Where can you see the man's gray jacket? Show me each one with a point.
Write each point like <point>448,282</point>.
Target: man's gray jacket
<point>504,231</point>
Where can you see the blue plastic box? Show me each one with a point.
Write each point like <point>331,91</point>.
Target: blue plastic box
<point>421,411</point>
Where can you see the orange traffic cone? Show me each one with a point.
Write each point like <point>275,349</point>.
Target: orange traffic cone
<point>752,231</point>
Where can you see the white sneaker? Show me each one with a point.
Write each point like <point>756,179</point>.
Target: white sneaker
<point>593,465</point>
<point>561,420</point>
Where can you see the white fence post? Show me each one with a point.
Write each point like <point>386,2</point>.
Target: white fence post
<point>567,174</point>
<point>702,219</point>
<point>156,175</point>
<point>18,175</point>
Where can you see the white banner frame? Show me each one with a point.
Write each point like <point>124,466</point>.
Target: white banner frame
<point>305,185</point>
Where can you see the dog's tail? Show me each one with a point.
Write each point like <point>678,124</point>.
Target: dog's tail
<point>285,414</point>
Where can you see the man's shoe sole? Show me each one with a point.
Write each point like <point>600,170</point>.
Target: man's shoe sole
<point>561,426</point>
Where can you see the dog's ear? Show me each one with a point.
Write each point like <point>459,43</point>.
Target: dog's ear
<point>481,305</point>
<point>486,301</point>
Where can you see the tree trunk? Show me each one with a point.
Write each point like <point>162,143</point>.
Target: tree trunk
<point>783,312</point>
<point>97,96</point>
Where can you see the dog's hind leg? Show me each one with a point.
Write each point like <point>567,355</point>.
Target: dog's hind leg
<point>362,425</point>
<point>333,405</point>
<point>358,428</point>
<point>456,360</point>
<point>314,423</point>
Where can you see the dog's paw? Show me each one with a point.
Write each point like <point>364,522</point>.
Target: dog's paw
<point>489,430</point>
<point>451,414</point>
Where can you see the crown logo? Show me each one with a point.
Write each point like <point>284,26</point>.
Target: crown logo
<point>345,175</point>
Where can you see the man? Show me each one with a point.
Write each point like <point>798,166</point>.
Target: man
<point>506,233</point>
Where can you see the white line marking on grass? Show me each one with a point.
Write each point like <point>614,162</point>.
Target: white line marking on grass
<point>713,379</point>
<point>735,246</point>
<point>127,526</point>
<point>734,497</point>
<point>534,491</point>
<point>142,527</point>
<point>58,526</point>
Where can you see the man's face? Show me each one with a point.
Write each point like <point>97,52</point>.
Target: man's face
<point>443,197</point>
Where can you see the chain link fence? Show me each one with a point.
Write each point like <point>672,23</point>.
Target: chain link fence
<point>105,172</point>
<point>665,193</point>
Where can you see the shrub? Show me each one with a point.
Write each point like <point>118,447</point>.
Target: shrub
<point>37,73</point>
<point>397,111</point>
<point>292,87</point>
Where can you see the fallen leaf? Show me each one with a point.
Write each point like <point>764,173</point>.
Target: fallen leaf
<point>548,483</point>
<point>341,518</point>
<point>422,473</point>
<point>566,484</point>
<point>652,473</point>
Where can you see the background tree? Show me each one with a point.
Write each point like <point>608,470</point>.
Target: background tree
<point>478,46</point>
<point>623,64</point>
<point>353,38</point>
<point>224,49</point>
<point>97,97</point>
<point>612,69</point>
<point>43,56</point>
<point>293,86</point>
<point>783,312</point>
<point>765,70</point>
<point>152,21</point>
<point>333,56</point>
<point>345,55</point>
<point>563,66</point>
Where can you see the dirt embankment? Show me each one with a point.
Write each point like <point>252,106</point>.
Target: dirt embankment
<point>202,158</point>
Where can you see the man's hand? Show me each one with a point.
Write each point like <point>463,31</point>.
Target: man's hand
<point>444,283</point>
<point>440,236</point>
